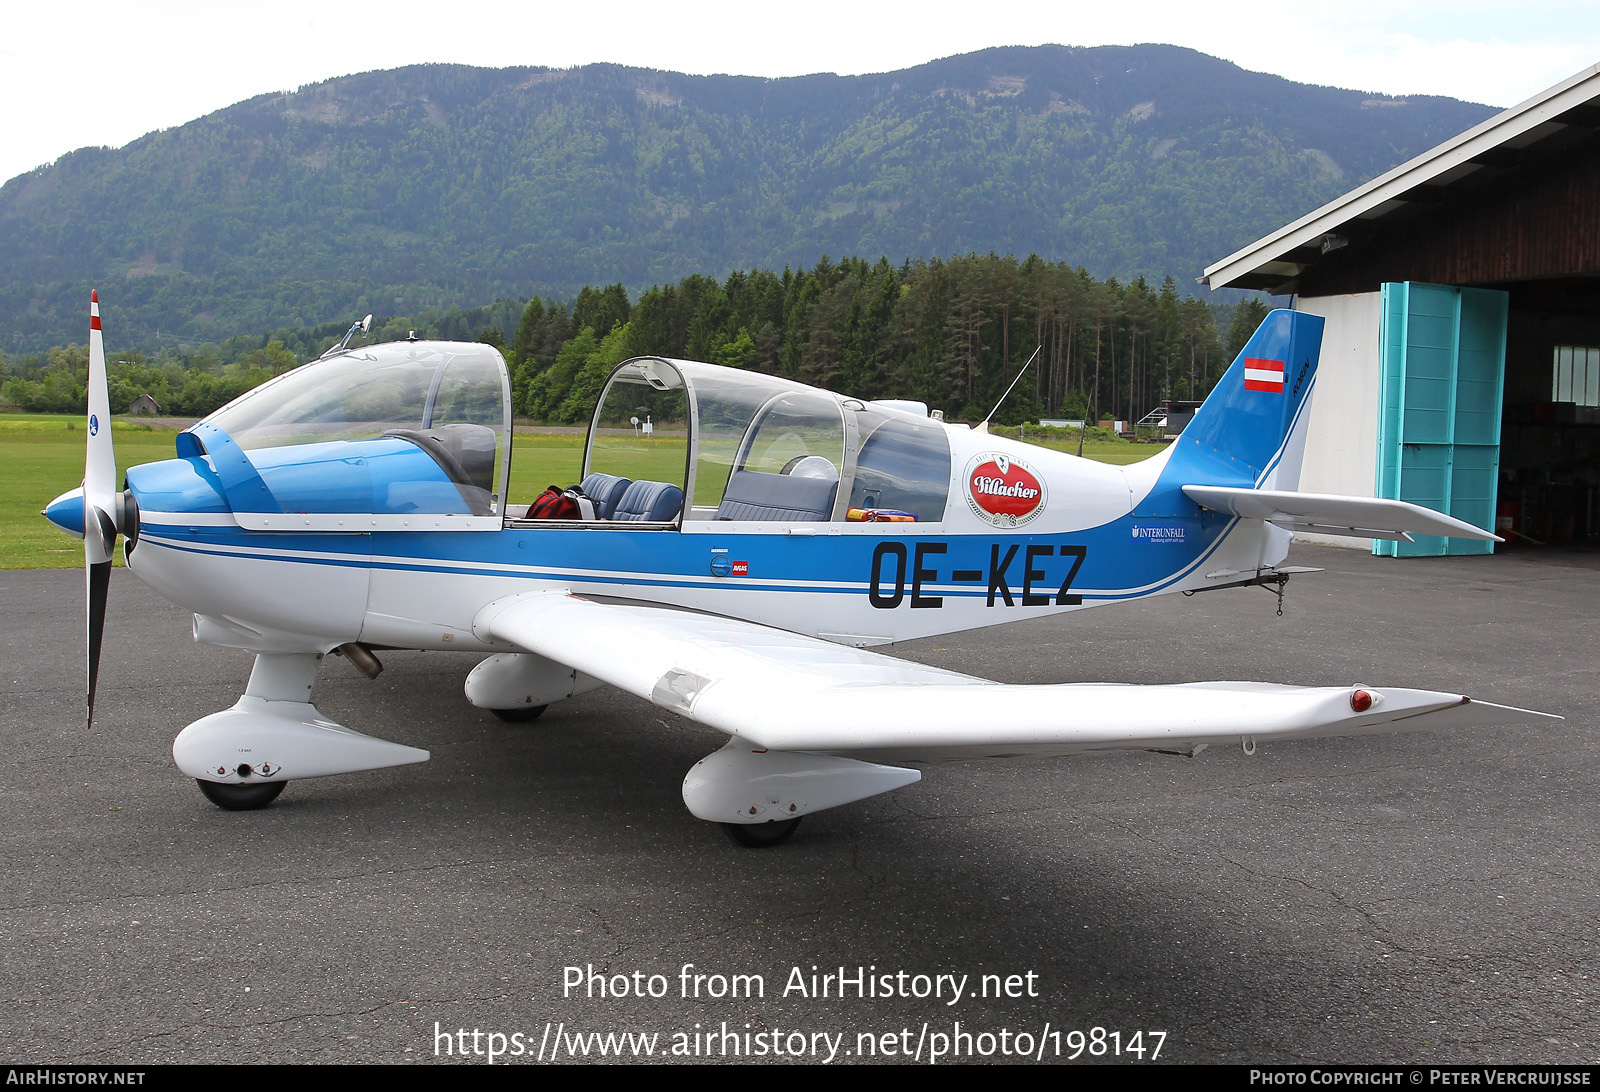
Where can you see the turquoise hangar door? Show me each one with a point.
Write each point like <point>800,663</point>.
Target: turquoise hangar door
<point>1442,362</point>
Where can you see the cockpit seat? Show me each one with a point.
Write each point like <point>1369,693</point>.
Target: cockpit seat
<point>653,502</point>
<point>465,453</point>
<point>606,491</point>
<point>471,446</point>
<point>757,495</point>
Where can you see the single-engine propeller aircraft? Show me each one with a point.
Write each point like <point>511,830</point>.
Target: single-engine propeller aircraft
<point>735,566</point>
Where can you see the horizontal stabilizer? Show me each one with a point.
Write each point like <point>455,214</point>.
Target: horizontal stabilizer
<point>1329,514</point>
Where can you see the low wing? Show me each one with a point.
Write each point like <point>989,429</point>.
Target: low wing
<point>1328,514</point>
<point>786,692</point>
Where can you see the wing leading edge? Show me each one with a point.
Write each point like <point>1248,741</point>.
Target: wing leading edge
<point>786,692</point>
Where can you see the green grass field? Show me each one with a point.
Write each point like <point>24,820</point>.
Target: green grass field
<point>41,457</point>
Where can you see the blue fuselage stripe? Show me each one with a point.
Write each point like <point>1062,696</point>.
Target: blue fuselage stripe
<point>1127,558</point>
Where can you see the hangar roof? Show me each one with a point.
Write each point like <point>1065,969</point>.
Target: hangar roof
<point>1551,121</point>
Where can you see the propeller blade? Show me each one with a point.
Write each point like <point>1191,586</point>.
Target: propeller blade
<point>100,507</point>
<point>98,584</point>
<point>100,462</point>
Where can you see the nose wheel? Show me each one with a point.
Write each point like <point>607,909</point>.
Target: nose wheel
<point>241,797</point>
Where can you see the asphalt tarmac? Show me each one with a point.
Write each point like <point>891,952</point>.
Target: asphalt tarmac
<point>1421,897</point>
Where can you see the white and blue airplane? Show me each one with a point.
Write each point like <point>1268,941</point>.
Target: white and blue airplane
<point>736,565</point>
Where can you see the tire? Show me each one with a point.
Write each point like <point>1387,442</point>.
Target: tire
<point>522,714</point>
<point>761,835</point>
<point>241,797</point>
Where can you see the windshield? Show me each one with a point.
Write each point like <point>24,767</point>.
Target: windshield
<point>451,400</point>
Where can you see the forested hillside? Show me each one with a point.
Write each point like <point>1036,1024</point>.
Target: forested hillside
<point>441,186</point>
<point>953,334</point>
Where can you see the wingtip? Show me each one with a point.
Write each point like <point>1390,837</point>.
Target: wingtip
<point>94,296</point>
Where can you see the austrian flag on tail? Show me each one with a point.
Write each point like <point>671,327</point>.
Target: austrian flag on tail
<point>1263,375</point>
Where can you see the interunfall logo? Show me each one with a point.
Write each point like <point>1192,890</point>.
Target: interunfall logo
<point>1004,491</point>
<point>1160,534</point>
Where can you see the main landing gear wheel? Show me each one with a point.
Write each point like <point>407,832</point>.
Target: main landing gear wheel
<point>241,797</point>
<point>761,835</point>
<point>522,714</point>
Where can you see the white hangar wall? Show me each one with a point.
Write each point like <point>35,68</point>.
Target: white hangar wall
<point>1342,434</point>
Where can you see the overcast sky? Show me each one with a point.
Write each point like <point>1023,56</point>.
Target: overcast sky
<point>100,73</point>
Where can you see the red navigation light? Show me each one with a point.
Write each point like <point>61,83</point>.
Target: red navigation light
<point>1361,701</point>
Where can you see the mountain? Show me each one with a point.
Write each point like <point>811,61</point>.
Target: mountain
<point>441,185</point>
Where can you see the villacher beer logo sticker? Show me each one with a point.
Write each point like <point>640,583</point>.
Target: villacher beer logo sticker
<point>1004,491</point>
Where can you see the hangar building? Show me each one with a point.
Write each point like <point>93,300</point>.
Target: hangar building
<point>1461,361</point>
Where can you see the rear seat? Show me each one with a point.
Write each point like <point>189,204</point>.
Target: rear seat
<point>756,495</point>
<point>606,491</point>
<point>654,502</point>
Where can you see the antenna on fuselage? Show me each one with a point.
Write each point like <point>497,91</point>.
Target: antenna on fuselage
<point>983,426</point>
<point>364,325</point>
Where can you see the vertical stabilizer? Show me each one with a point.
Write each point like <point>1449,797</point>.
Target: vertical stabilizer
<point>1251,431</point>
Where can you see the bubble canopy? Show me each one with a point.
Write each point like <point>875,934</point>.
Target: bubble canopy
<point>417,436</point>
<point>398,430</point>
<point>745,446</point>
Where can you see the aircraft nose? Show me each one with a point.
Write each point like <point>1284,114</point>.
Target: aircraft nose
<point>66,512</point>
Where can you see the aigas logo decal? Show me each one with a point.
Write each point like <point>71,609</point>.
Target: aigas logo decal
<point>1004,491</point>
